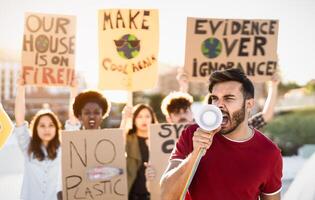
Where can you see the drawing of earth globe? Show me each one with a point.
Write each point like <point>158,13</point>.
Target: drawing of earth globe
<point>42,44</point>
<point>128,46</point>
<point>211,47</point>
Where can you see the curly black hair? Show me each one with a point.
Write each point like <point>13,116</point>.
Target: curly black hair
<point>87,97</point>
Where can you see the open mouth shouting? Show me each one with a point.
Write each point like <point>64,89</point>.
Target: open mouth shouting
<point>92,123</point>
<point>225,118</point>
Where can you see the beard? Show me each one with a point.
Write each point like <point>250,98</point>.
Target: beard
<point>235,120</point>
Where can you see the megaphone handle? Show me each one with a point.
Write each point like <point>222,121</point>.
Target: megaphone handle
<point>192,173</point>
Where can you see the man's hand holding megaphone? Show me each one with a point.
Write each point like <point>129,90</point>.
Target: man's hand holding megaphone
<point>203,139</point>
<point>209,119</point>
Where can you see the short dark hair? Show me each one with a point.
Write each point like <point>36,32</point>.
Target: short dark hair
<point>87,97</point>
<point>176,101</point>
<point>233,74</point>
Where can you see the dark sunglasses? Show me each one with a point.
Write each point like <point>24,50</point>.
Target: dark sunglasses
<point>121,43</point>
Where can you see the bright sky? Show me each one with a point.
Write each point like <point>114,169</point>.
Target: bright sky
<point>296,38</point>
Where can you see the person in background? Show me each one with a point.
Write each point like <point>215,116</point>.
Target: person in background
<point>87,110</point>
<point>260,119</point>
<point>41,148</point>
<point>137,149</point>
<point>176,107</point>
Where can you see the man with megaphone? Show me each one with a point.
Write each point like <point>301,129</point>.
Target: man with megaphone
<point>235,161</point>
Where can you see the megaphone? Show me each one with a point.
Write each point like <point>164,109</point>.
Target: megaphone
<point>209,117</point>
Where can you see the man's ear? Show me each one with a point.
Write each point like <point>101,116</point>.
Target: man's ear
<point>250,103</point>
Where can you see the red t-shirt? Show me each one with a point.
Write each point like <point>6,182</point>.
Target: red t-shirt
<point>233,170</point>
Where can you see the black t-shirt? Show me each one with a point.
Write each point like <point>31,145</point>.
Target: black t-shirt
<point>139,186</point>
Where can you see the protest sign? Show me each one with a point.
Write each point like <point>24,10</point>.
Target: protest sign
<point>162,139</point>
<point>219,44</point>
<point>128,49</point>
<point>6,126</point>
<point>94,165</point>
<point>48,49</point>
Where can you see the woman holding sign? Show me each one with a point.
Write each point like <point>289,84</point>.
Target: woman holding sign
<point>41,148</point>
<point>138,151</point>
<point>86,111</point>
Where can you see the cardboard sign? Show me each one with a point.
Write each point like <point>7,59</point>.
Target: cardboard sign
<point>128,49</point>
<point>219,44</point>
<point>48,49</point>
<point>162,139</point>
<point>6,126</point>
<point>94,165</point>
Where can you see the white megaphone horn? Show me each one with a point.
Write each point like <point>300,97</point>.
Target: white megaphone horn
<point>209,117</point>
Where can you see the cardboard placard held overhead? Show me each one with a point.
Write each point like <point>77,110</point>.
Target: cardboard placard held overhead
<point>6,127</point>
<point>94,165</point>
<point>162,139</point>
<point>128,49</point>
<point>48,55</point>
<point>219,44</point>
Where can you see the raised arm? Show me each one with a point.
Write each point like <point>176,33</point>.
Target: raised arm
<point>271,100</point>
<point>126,118</point>
<point>19,110</point>
<point>21,129</point>
<point>182,79</point>
<point>73,94</point>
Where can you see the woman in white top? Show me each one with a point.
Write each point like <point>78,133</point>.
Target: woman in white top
<point>41,147</point>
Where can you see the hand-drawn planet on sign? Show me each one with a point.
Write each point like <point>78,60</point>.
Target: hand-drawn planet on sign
<point>128,46</point>
<point>211,47</point>
<point>41,43</point>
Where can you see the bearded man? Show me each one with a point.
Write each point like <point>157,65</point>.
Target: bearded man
<point>240,163</point>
